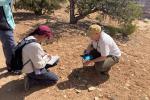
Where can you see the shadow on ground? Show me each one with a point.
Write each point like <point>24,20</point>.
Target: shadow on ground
<point>3,73</point>
<point>14,90</point>
<point>81,78</point>
<point>60,28</point>
<point>2,69</point>
<point>26,16</point>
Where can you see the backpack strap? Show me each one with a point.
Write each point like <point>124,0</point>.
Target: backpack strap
<point>27,62</point>
<point>29,41</point>
<point>26,43</point>
<point>31,64</point>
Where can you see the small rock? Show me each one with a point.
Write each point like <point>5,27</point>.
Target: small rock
<point>99,90</point>
<point>112,98</point>
<point>96,98</point>
<point>144,69</point>
<point>127,84</point>
<point>91,88</point>
<point>61,68</point>
<point>47,90</point>
<point>124,45</point>
<point>136,61</point>
<point>118,68</point>
<point>85,81</point>
<point>77,91</point>
<point>100,95</point>
<point>140,90</point>
<point>126,88</point>
<point>146,20</point>
<point>132,74</point>
<point>107,96</point>
<point>146,98</point>
<point>65,96</point>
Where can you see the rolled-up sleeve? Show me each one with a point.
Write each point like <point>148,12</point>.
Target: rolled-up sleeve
<point>36,56</point>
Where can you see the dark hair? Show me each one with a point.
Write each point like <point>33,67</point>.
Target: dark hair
<point>35,32</point>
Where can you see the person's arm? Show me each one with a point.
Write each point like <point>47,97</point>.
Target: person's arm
<point>102,58</point>
<point>5,2</point>
<point>89,48</point>
<point>104,53</point>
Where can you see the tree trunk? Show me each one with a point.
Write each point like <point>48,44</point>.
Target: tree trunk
<point>73,19</point>
<point>38,12</point>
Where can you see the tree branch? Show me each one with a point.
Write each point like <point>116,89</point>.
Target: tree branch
<point>85,14</point>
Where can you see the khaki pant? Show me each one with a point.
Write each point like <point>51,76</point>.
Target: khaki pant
<point>105,66</point>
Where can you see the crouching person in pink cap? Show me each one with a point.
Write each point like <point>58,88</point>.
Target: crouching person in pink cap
<point>33,56</point>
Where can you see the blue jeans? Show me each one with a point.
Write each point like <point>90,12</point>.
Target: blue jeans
<point>8,44</point>
<point>46,77</point>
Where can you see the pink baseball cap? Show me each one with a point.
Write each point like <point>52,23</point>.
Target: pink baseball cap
<point>44,30</point>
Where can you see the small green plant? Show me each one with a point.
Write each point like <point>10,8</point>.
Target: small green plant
<point>111,30</point>
<point>128,29</point>
<point>124,30</point>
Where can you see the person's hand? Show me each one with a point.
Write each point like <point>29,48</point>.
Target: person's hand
<point>49,56</point>
<point>86,63</point>
<point>86,51</point>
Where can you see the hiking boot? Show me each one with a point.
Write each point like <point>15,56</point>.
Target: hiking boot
<point>104,73</point>
<point>17,72</point>
<point>26,83</point>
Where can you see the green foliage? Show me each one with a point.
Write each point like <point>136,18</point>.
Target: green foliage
<point>38,6</point>
<point>111,30</point>
<point>125,29</point>
<point>131,12</point>
<point>123,10</point>
<point>128,29</point>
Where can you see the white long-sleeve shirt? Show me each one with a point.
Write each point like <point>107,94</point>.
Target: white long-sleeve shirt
<point>35,53</point>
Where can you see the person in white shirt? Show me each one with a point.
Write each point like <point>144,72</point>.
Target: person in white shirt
<point>32,54</point>
<point>105,53</point>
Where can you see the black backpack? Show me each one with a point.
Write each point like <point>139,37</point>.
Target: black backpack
<point>16,62</point>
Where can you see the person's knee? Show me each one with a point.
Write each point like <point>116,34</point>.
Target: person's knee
<point>102,68</point>
<point>52,80</point>
<point>55,78</point>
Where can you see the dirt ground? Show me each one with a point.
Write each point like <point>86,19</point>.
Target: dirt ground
<point>129,79</point>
